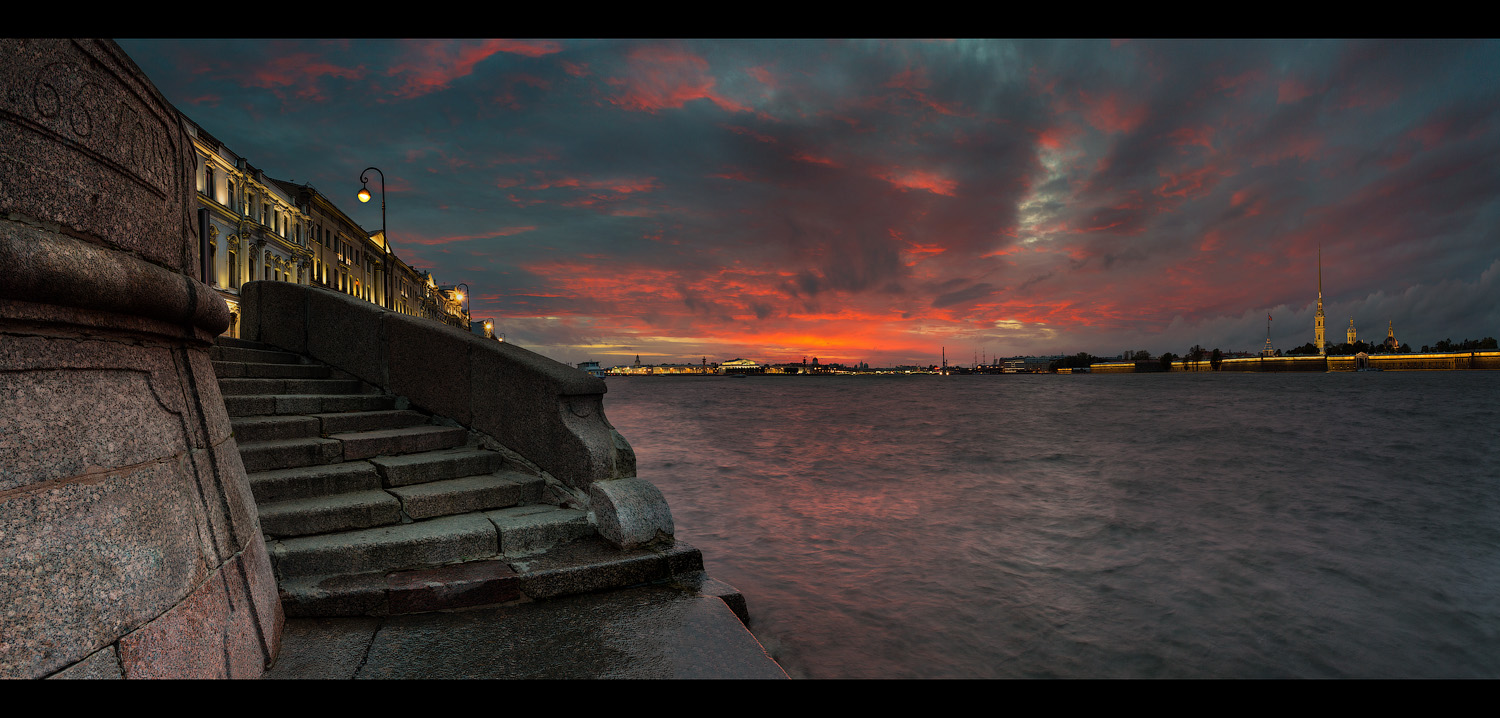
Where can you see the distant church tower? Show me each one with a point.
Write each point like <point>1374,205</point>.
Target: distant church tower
<point>1390,335</point>
<point>1350,333</point>
<point>1318,322</point>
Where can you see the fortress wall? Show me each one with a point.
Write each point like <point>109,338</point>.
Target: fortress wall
<point>1437,362</point>
<point>1455,361</point>
<point>129,542</point>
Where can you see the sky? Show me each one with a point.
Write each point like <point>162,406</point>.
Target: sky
<point>885,200</point>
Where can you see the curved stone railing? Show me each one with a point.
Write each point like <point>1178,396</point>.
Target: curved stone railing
<point>129,541</point>
<point>549,413</point>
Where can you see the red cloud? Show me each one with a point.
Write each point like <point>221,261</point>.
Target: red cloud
<point>622,186</point>
<point>1191,182</point>
<point>1303,148</point>
<point>1291,90</point>
<point>814,159</point>
<point>1431,133</point>
<point>920,179</point>
<point>752,133</point>
<point>1185,136</point>
<point>1235,86</point>
<point>913,82</point>
<point>301,70</point>
<point>529,48</point>
<point>502,232</point>
<point>1053,138</point>
<point>431,66</point>
<point>1112,112</point>
<point>662,78</point>
<point>762,76</point>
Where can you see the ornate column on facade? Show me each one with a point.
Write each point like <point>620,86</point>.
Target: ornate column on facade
<point>262,258</point>
<point>129,541</point>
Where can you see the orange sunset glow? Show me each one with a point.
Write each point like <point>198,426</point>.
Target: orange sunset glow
<point>878,201</point>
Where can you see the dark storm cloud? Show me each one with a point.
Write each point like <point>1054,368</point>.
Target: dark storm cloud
<point>610,190</point>
<point>966,294</point>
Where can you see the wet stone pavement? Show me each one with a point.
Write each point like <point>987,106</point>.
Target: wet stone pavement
<point>645,632</point>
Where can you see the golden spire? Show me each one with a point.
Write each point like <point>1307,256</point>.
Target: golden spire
<point>1318,320</point>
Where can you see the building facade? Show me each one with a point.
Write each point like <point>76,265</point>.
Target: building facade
<point>255,231</point>
<point>259,228</point>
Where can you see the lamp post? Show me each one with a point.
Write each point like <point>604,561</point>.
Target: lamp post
<point>364,196</point>
<point>464,297</point>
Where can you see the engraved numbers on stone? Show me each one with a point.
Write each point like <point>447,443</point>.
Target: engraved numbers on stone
<point>74,102</point>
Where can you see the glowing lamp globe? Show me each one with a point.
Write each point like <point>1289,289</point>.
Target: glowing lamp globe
<point>364,195</point>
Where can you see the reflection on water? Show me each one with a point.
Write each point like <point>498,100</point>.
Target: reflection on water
<point>1092,526</point>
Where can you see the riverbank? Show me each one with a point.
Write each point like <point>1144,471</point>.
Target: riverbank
<point>643,632</point>
<point>1426,361</point>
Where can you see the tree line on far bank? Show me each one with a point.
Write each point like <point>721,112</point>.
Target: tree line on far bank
<point>1215,357</point>
<point>1446,345</point>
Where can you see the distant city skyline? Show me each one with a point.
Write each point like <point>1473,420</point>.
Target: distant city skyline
<point>877,200</point>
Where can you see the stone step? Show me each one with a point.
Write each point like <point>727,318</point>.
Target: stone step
<point>326,514</point>
<point>244,387</point>
<point>389,548</point>
<point>406,440</point>
<point>264,428</point>
<point>582,566</point>
<point>243,343</point>
<point>259,356</point>
<point>265,404</point>
<point>256,370</point>
<point>309,481</point>
<point>369,420</point>
<point>436,466</point>
<point>525,530</point>
<point>288,453</point>
<point>471,493</point>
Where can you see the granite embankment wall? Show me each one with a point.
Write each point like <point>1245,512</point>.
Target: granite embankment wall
<point>1452,361</point>
<point>549,413</point>
<point>129,543</point>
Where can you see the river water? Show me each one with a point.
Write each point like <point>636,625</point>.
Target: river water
<point>1110,526</point>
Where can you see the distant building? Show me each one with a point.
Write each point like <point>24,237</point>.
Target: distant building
<point>1350,334</point>
<point>741,366</point>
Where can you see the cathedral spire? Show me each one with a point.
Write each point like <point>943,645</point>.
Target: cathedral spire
<point>1318,321</point>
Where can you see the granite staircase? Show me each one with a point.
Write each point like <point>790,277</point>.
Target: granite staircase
<point>370,507</point>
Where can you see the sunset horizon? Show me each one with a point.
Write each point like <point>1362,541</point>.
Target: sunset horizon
<point>879,201</point>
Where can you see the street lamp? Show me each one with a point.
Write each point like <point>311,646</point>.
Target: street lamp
<point>464,297</point>
<point>364,196</point>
